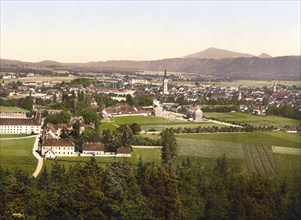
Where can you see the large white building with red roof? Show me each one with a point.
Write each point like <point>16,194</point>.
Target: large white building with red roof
<point>21,125</point>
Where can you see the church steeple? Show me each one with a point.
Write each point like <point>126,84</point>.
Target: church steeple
<point>165,83</point>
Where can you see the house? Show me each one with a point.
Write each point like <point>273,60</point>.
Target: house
<point>59,147</point>
<point>126,109</point>
<point>50,155</point>
<point>21,125</point>
<point>124,151</point>
<point>195,113</point>
<point>94,148</point>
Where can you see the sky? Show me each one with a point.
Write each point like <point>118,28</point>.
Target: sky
<point>83,31</point>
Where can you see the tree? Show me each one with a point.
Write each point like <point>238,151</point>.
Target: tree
<point>136,128</point>
<point>89,115</point>
<point>129,99</point>
<point>125,135</point>
<point>169,145</point>
<point>145,100</point>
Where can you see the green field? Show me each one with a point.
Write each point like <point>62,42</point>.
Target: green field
<point>255,120</point>
<point>57,79</point>
<point>12,109</point>
<point>147,155</point>
<point>12,135</point>
<point>158,123</point>
<point>276,138</point>
<point>107,125</point>
<point>18,153</point>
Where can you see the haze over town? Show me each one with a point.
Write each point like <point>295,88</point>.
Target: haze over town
<point>83,31</point>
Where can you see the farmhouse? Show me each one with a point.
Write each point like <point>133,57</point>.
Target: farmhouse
<point>93,148</point>
<point>21,125</point>
<point>126,109</point>
<point>124,151</point>
<point>59,147</point>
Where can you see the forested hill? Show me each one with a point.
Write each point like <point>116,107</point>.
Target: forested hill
<point>254,68</point>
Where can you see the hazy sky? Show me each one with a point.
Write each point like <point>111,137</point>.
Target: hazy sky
<point>82,31</point>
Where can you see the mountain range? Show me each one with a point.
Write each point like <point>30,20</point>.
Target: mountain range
<point>211,62</point>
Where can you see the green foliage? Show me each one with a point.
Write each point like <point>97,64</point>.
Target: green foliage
<point>284,111</point>
<point>89,115</point>
<point>145,100</point>
<point>58,118</point>
<point>129,99</point>
<point>136,128</point>
<point>82,81</point>
<point>169,146</point>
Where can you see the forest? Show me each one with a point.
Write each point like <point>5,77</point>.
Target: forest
<point>176,189</point>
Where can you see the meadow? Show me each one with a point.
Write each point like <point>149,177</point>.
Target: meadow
<point>12,135</point>
<point>57,79</point>
<point>276,138</point>
<point>255,120</point>
<point>12,109</point>
<point>147,155</point>
<point>157,123</point>
<point>18,153</point>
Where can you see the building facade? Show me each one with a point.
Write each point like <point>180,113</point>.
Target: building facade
<point>59,147</point>
<point>21,125</point>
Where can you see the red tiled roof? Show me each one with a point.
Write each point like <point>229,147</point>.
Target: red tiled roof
<point>59,142</point>
<point>22,121</point>
<point>93,146</point>
<point>124,150</point>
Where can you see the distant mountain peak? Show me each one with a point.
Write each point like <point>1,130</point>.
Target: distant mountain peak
<point>264,55</point>
<point>215,53</point>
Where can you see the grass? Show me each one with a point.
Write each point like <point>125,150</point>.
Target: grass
<point>42,79</point>
<point>12,109</point>
<point>147,155</point>
<point>158,123</point>
<point>255,120</point>
<point>276,138</point>
<point>209,148</point>
<point>12,135</point>
<point>107,125</point>
<point>18,153</point>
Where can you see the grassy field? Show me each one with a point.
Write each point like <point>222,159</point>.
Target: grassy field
<point>253,119</point>
<point>147,155</point>
<point>12,135</point>
<point>18,153</point>
<point>276,138</point>
<point>159,123</point>
<point>107,125</point>
<point>12,109</point>
<point>57,79</point>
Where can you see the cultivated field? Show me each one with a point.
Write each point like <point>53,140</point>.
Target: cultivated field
<point>255,120</point>
<point>275,138</point>
<point>18,153</point>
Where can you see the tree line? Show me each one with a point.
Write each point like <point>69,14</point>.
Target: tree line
<point>178,188</point>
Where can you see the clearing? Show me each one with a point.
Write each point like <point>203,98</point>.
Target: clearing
<point>18,153</point>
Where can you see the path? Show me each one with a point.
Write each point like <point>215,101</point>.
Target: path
<point>224,123</point>
<point>38,156</point>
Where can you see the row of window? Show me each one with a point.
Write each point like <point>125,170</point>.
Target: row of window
<point>68,148</point>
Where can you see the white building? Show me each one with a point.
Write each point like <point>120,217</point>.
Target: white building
<point>21,125</point>
<point>59,147</point>
<point>93,148</point>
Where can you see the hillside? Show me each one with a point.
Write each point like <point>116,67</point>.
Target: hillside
<point>215,53</point>
<point>254,68</point>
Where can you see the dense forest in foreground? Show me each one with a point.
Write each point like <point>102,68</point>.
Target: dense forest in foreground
<point>173,190</point>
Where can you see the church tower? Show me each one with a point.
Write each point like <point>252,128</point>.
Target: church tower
<point>165,84</point>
